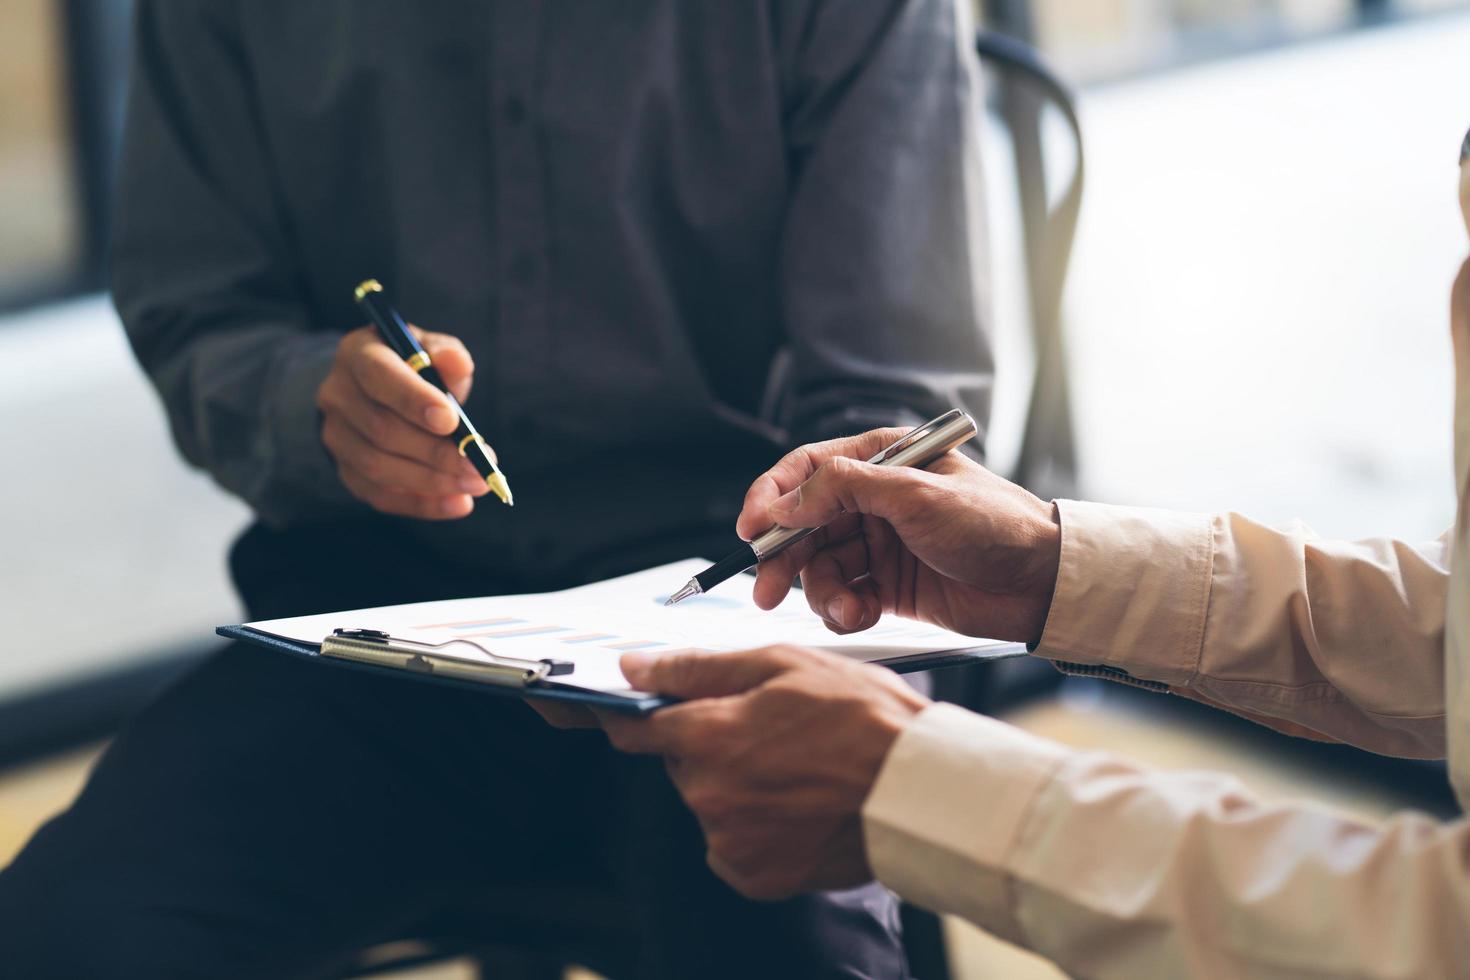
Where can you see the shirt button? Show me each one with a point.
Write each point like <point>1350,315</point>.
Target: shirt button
<point>514,110</point>
<point>522,268</point>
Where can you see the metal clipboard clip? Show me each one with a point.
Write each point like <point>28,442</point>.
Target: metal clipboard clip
<point>377,647</point>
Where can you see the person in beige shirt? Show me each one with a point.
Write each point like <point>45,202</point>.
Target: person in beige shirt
<point>807,771</point>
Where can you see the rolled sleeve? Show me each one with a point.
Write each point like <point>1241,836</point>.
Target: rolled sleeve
<point>1132,592</point>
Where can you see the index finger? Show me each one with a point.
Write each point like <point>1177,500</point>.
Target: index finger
<point>388,380</point>
<point>797,466</point>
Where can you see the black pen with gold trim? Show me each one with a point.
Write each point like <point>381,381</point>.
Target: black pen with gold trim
<point>395,334</point>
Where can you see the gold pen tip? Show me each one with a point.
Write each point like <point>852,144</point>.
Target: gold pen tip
<point>498,486</point>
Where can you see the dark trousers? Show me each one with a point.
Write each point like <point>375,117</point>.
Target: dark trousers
<point>270,817</point>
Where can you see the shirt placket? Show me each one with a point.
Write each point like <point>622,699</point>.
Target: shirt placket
<point>520,226</point>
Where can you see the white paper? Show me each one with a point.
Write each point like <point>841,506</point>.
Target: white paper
<point>593,625</point>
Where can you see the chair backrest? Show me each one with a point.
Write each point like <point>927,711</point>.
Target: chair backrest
<point>1047,462</point>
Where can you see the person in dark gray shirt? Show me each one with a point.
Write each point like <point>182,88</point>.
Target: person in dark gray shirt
<point>655,245</point>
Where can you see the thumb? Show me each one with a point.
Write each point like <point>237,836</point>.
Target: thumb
<point>846,486</point>
<point>701,674</point>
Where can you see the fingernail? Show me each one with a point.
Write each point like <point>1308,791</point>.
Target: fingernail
<point>472,485</point>
<point>786,503</point>
<point>438,417</point>
<point>835,611</point>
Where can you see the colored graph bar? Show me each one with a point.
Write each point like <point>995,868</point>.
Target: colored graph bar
<point>472,624</point>
<point>519,631</point>
<point>589,637</point>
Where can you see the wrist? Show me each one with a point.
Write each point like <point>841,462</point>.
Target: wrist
<point>893,711</point>
<point>1044,565</point>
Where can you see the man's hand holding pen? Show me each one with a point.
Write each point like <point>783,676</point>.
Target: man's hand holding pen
<point>776,750</point>
<point>386,427</point>
<point>953,544</point>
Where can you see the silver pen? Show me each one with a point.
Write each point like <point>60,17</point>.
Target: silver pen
<point>919,448</point>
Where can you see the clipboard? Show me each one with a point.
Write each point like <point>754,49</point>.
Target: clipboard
<point>448,671</point>
<point>513,646</point>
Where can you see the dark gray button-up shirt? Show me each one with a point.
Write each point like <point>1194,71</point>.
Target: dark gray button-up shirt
<point>676,236</point>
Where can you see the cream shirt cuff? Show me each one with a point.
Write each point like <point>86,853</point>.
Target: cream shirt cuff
<point>952,798</point>
<point>1132,591</point>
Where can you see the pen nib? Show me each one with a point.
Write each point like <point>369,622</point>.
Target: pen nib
<point>500,488</point>
<point>691,588</point>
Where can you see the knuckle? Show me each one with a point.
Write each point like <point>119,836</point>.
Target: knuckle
<point>798,460</point>
<point>378,426</point>
<point>755,491</point>
<point>374,467</point>
<point>375,371</point>
<point>355,358</point>
<point>332,435</point>
<point>677,671</point>
<point>326,395</point>
<point>782,698</point>
<point>445,342</point>
<point>786,654</point>
<point>446,457</point>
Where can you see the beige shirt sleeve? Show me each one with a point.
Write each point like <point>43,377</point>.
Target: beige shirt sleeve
<point>1113,870</point>
<point>1117,871</point>
<point>1343,639</point>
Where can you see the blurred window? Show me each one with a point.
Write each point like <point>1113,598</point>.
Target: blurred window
<point>62,74</point>
<point>41,231</point>
<point>1100,39</point>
